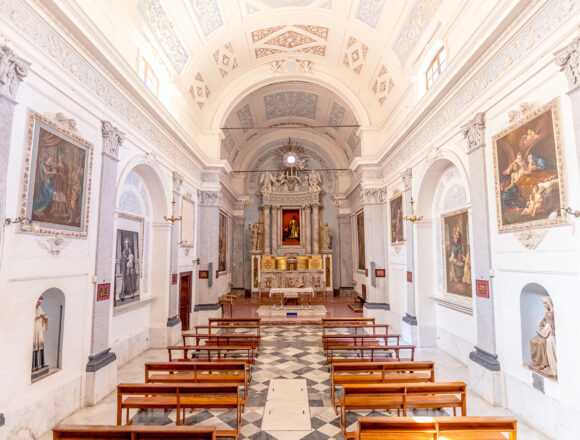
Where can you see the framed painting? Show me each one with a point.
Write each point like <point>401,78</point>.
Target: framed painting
<point>396,206</point>
<point>291,227</point>
<point>223,243</point>
<point>529,173</point>
<point>128,259</point>
<point>187,230</point>
<point>360,234</point>
<point>380,273</point>
<point>56,184</point>
<point>457,252</point>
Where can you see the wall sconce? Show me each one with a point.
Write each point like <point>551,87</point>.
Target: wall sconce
<point>568,210</point>
<point>338,202</point>
<point>413,218</point>
<point>9,221</point>
<point>196,261</point>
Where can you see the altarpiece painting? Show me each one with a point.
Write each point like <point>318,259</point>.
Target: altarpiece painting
<point>396,205</point>
<point>223,242</point>
<point>291,227</point>
<point>128,259</point>
<point>360,229</point>
<point>529,175</point>
<point>57,178</point>
<point>457,253</point>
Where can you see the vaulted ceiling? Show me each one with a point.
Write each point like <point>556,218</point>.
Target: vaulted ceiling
<point>262,70</point>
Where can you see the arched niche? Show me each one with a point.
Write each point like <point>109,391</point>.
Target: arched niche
<point>49,355</point>
<point>532,314</point>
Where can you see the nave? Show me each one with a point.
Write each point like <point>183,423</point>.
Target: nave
<point>288,352</point>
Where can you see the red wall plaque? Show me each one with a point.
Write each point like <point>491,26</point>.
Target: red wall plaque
<point>409,277</point>
<point>203,274</point>
<point>380,273</point>
<point>482,288</point>
<point>174,279</point>
<point>103,291</point>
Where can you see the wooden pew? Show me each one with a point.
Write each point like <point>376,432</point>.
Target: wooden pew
<point>402,396</point>
<point>199,372</point>
<point>234,322</point>
<point>220,352</point>
<point>355,327</point>
<point>132,432</point>
<point>180,396</point>
<point>225,339</point>
<point>432,428</point>
<point>367,353</point>
<point>379,372</point>
<point>343,321</point>
<point>343,340</point>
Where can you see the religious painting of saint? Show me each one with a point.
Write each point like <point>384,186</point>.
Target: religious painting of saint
<point>127,267</point>
<point>457,253</point>
<point>529,177</point>
<point>397,235</point>
<point>223,243</point>
<point>56,188</point>
<point>291,227</point>
<point>360,234</point>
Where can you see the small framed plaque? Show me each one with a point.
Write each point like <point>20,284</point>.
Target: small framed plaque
<point>203,274</point>
<point>173,279</point>
<point>482,288</point>
<point>380,273</point>
<point>409,276</point>
<point>103,291</point>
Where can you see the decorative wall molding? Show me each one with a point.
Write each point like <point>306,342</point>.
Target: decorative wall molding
<point>225,59</point>
<point>53,244</point>
<point>344,219</point>
<point>407,177</point>
<point>568,59</point>
<point>354,55</point>
<point>292,66</point>
<point>525,108</point>
<point>290,38</point>
<point>12,71</point>
<point>531,238</point>
<point>208,198</point>
<point>474,132</point>
<point>373,196</point>
<point>113,138</point>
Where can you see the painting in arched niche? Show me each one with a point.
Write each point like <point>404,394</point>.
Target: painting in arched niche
<point>538,331</point>
<point>47,334</point>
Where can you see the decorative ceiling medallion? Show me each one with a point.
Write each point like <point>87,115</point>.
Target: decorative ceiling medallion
<point>199,90</point>
<point>382,85</point>
<point>417,20</point>
<point>225,59</point>
<point>354,55</point>
<point>208,14</point>
<point>292,66</point>
<point>282,104</point>
<point>290,38</point>
<point>164,32</point>
<point>369,12</point>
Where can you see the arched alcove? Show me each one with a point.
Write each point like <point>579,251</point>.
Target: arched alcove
<point>533,317</point>
<point>48,355</point>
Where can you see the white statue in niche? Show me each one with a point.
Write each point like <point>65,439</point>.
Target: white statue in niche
<point>40,328</point>
<point>313,181</point>
<point>543,345</point>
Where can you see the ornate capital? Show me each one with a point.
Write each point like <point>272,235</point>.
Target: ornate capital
<point>208,198</point>
<point>373,196</point>
<point>407,177</point>
<point>177,181</point>
<point>344,219</point>
<point>12,71</point>
<point>474,132</point>
<point>568,59</point>
<point>112,139</point>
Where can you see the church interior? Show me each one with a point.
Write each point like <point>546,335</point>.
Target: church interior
<point>289,219</point>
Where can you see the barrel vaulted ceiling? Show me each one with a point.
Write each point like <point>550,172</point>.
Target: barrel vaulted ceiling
<point>250,64</point>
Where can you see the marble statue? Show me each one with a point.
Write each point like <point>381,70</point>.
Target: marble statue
<point>313,181</point>
<point>267,180</point>
<point>40,328</point>
<point>543,345</point>
<point>326,236</point>
<point>255,231</point>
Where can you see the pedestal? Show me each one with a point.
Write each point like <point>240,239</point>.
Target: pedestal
<point>327,268</point>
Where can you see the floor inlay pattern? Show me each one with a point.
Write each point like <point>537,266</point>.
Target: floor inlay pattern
<point>285,353</point>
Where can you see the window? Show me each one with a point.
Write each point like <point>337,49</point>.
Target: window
<point>435,68</point>
<point>148,76</point>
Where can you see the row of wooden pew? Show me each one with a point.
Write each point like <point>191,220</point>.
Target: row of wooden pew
<point>205,377</point>
<point>373,376</point>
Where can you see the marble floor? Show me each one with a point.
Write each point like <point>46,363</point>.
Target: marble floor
<point>285,353</point>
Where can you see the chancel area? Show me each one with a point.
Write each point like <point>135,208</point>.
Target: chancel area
<point>289,219</point>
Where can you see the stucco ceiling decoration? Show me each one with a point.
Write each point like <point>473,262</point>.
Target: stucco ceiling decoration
<point>355,54</point>
<point>208,14</point>
<point>292,66</point>
<point>225,59</point>
<point>199,91</point>
<point>291,103</point>
<point>290,38</point>
<point>257,6</point>
<point>382,84</point>
<point>369,12</point>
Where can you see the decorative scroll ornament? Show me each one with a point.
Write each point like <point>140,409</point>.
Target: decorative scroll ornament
<point>208,198</point>
<point>177,182</point>
<point>53,244</point>
<point>12,71</point>
<point>531,238</point>
<point>568,59</point>
<point>373,196</point>
<point>292,66</point>
<point>113,138</point>
<point>474,132</point>
<point>525,108</point>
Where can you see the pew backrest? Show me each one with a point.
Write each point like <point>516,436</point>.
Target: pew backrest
<point>132,432</point>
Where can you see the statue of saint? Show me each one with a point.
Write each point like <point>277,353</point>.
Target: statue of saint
<point>255,231</point>
<point>543,345</point>
<point>313,181</point>
<point>40,328</point>
<point>326,236</point>
<point>267,180</point>
<point>293,229</point>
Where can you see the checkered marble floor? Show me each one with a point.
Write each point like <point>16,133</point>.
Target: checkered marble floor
<point>286,352</point>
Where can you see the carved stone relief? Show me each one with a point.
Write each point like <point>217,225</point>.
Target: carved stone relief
<point>531,238</point>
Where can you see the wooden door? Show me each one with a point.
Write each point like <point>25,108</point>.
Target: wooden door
<point>185,285</point>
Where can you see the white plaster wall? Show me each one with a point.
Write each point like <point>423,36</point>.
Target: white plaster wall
<point>456,332</point>
<point>130,333</point>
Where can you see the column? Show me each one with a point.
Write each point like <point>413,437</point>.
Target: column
<point>267,230</point>
<point>9,83</point>
<point>173,307</point>
<point>345,251</point>
<point>208,249</point>
<point>275,230</point>
<point>568,59</point>
<point>410,317</point>
<point>315,229</point>
<point>484,370</point>
<point>102,366</point>
<point>306,228</point>
<point>238,256</point>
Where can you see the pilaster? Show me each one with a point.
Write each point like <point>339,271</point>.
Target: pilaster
<point>315,229</point>
<point>173,303</point>
<point>238,241</point>
<point>410,317</point>
<point>207,293</point>
<point>267,229</point>
<point>345,250</point>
